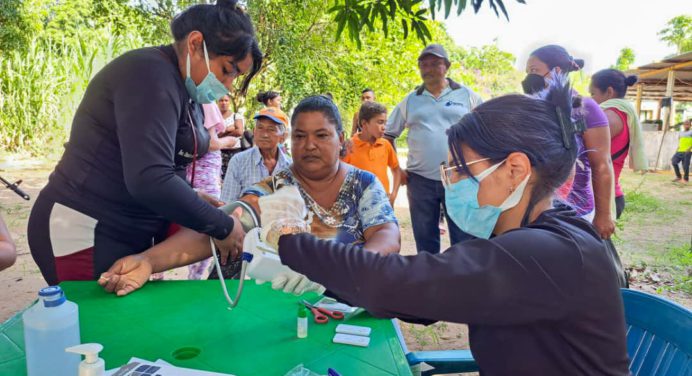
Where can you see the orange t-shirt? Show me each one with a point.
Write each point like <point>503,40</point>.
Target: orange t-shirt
<point>374,158</point>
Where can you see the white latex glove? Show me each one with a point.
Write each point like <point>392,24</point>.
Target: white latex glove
<point>296,284</point>
<point>286,205</point>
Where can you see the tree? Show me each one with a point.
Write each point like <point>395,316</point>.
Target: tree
<point>357,15</point>
<point>678,33</point>
<point>625,60</point>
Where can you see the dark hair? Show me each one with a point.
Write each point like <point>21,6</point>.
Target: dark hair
<point>366,90</point>
<point>556,56</point>
<point>266,96</point>
<point>369,110</point>
<point>227,31</point>
<point>606,78</point>
<point>518,123</point>
<point>319,103</point>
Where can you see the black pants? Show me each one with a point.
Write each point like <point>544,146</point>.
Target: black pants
<point>425,198</point>
<point>619,206</point>
<point>685,159</point>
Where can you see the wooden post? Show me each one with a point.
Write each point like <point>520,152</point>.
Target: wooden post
<point>640,90</point>
<point>670,86</point>
<point>666,122</point>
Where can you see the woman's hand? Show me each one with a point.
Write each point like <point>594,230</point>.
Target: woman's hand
<point>231,247</point>
<point>126,275</point>
<point>604,226</point>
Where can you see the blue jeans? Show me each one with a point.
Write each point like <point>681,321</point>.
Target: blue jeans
<point>424,199</point>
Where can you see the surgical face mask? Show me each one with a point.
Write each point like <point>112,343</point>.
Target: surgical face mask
<point>533,83</point>
<point>210,89</point>
<point>461,199</point>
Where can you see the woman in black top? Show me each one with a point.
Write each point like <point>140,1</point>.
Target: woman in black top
<point>121,180</point>
<point>537,288</point>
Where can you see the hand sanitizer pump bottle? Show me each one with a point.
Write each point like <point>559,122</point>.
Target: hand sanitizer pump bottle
<point>50,326</point>
<point>92,365</point>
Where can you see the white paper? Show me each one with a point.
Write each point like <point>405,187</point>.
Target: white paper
<point>167,369</point>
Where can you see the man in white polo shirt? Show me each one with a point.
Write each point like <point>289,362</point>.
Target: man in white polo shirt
<point>428,112</point>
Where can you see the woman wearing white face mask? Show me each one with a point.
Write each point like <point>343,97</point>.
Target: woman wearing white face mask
<point>121,180</point>
<point>537,288</point>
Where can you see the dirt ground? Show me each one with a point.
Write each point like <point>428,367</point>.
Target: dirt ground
<point>654,241</point>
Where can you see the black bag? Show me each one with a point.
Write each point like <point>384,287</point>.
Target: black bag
<point>617,263</point>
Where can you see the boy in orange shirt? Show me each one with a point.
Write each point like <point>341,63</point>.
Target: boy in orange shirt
<point>371,152</point>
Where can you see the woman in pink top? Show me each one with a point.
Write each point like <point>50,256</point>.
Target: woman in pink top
<point>204,174</point>
<point>606,85</point>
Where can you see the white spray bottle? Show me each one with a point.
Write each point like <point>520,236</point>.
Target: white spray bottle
<point>92,365</point>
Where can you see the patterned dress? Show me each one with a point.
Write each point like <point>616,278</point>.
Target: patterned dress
<point>207,175</point>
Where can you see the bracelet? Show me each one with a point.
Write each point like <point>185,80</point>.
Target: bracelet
<point>285,227</point>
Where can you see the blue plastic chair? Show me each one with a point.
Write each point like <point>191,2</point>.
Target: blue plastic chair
<point>659,335</point>
<point>659,341</point>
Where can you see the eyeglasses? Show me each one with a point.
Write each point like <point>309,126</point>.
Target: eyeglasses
<point>451,174</point>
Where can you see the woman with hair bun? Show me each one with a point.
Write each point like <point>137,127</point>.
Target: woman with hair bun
<point>590,192</point>
<point>608,88</point>
<point>270,99</point>
<point>536,287</point>
<point>121,180</point>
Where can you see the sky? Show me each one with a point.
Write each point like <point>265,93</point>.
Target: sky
<point>593,30</point>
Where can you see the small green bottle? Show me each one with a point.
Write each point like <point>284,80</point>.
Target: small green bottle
<point>302,322</point>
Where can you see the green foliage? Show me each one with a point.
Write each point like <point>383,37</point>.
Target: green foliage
<point>14,29</point>
<point>678,33</point>
<point>43,80</point>
<point>681,260</point>
<point>625,60</point>
<point>641,203</point>
<point>302,59</point>
<point>359,15</point>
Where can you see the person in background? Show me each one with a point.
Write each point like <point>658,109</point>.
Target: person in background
<point>263,160</point>
<point>367,95</point>
<point>683,154</point>
<point>591,189</point>
<point>371,152</point>
<point>346,204</point>
<point>428,112</point>
<point>234,127</point>
<point>535,287</point>
<point>8,251</point>
<point>270,99</point>
<point>204,173</point>
<point>608,88</point>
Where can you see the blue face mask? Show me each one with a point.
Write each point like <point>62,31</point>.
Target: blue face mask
<point>210,89</point>
<point>461,199</point>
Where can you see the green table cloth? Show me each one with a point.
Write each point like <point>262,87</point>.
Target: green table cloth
<point>188,324</point>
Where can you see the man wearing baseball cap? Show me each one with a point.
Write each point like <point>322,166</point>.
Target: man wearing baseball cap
<point>264,159</point>
<point>428,112</point>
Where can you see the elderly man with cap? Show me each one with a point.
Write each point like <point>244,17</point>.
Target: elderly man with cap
<point>264,159</point>
<point>428,112</point>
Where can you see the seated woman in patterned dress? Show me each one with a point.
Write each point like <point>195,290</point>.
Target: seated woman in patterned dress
<point>348,205</point>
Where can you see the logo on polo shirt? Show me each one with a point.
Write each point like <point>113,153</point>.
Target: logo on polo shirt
<point>453,103</point>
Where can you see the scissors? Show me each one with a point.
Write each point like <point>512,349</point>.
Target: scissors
<point>322,313</point>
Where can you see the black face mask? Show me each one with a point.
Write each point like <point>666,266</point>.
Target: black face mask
<point>533,83</point>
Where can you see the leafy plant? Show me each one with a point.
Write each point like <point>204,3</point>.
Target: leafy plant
<point>678,33</point>
<point>412,15</point>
